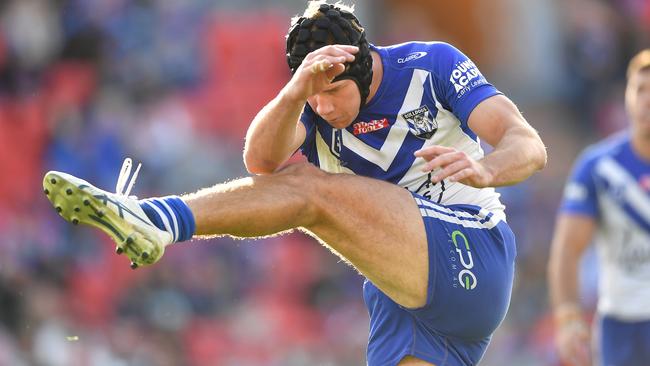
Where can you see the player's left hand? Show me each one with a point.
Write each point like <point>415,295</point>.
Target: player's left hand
<point>455,166</point>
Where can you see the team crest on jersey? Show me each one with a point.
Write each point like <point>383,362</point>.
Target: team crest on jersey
<point>421,122</point>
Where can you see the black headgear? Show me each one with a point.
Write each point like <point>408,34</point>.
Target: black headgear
<point>336,26</point>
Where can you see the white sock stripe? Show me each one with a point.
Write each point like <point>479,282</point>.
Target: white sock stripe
<point>172,214</point>
<point>164,219</point>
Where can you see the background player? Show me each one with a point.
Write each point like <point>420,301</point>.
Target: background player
<point>607,199</point>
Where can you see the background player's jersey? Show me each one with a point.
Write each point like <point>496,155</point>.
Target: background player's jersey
<point>612,184</point>
<point>426,95</point>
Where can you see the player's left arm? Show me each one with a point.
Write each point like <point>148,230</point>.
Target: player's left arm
<point>518,149</point>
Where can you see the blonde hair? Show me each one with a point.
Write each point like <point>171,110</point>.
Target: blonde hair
<point>640,62</point>
<point>312,9</point>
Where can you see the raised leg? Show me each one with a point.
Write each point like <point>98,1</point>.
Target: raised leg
<point>374,225</point>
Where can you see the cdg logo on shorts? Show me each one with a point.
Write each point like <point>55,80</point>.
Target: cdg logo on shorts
<point>466,277</point>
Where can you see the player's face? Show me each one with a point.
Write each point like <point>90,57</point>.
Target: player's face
<point>637,98</point>
<point>338,104</point>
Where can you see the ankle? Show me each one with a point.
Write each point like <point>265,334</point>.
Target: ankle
<point>171,214</point>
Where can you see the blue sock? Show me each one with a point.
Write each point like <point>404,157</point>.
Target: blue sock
<point>170,214</point>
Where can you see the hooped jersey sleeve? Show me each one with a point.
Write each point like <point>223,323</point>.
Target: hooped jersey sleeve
<point>458,81</point>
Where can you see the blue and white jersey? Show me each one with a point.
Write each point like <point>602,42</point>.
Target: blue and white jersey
<point>426,95</point>
<point>612,184</point>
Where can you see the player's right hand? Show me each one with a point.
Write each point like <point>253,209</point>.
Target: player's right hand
<point>573,342</point>
<point>318,69</point>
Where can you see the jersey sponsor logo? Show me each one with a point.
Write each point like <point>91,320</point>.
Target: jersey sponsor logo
<point>421,122</point>
<point>365,127</point>
<point>411,56</point>
<point>632,252</point>
<point>465,76</point>
<point>466,277</point>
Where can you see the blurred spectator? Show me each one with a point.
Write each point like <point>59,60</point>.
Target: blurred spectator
<point>173,84</point>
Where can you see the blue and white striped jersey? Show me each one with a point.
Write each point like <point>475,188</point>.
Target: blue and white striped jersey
<point>425,98</point>
<point>612,184</point>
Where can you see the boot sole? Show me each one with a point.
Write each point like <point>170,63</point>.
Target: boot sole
<point>77,204</point>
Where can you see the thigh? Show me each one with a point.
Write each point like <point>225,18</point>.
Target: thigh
<point>377,227</point>
<point>472,255</point>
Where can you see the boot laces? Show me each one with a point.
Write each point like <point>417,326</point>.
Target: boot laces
<point>124,184</point>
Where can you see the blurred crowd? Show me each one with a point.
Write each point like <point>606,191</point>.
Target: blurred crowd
<point>173,84</point>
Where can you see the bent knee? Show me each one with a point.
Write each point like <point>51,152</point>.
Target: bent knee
<point>300,169</point>
<point>305,181</point>
<point>303,176</point>
<point>320,190</point>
